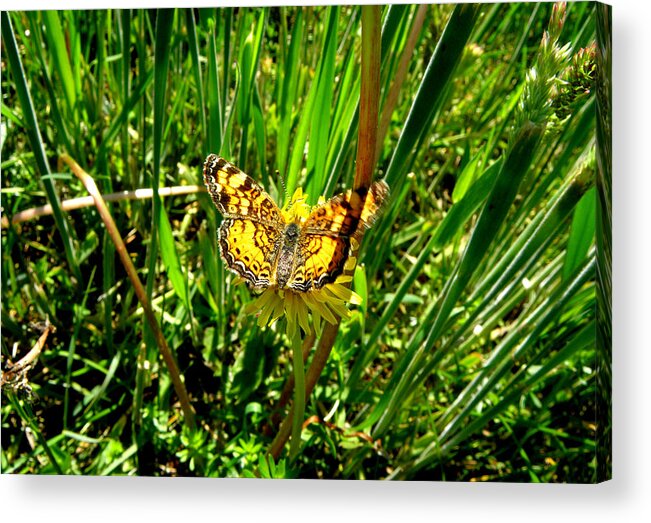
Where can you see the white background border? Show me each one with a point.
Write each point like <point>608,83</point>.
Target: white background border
<point>626,498</point>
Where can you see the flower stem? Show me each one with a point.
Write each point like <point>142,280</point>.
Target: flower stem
<point>299,393</point>
<point>367,139</point>
<point>319,360</point>
<point>288,389</point>
<point>369,101</point>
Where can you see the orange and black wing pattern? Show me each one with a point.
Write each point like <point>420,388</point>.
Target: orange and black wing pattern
<point>325,241</point>
<point>249,236</point>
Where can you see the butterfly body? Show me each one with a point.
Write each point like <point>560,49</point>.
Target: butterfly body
<point>286,259</point>
<point>258,241</point>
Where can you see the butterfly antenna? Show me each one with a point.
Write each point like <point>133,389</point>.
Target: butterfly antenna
<point>282,182</point>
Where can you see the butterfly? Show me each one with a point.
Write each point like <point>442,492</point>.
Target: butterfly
<point>269,248</point>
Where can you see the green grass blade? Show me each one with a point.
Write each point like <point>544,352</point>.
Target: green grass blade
<point>196,68</point>
<point>57,43</point>
<point>462,210</point>
<point>580,341</point>
<point>307,114</point>
<point>124,25</point>
<point>514,345</point>
<point>582,232</point>
<point>36,141</point>
<point>435,81</point>
<point>321,119</point>
<point>164,21</point>
<point>215,126</point>
<point>288,85</point>
<point>259,130</point>
<point>249,58</point>
<point>56,100</point>
<point>171,259</point>
<point>122,119</point>
<point>492,216</point>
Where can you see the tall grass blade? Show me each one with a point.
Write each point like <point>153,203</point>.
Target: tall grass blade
<point>432,87</point>
<point>57,43</point>
<point>196,69</point>
<point>582,233</point>
<point>321,120</point>
<point>36,141</point>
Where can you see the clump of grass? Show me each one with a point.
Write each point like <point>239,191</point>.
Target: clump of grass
<point>472,353</point>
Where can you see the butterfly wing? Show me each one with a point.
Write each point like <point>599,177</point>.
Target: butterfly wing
<point>325,242</point>
<point>236,194</point>
<point>320,259</point>
<point>249,236</point>
<point>250,249</point>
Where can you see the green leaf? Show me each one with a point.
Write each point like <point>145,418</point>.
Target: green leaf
<point>171,259</point>
<point>582,232</point>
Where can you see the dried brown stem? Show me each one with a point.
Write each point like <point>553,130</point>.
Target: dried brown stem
<point>399,78</point>
<point>87,201</point>
<point>121,249</point>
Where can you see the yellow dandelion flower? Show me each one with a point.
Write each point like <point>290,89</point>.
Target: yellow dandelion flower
<point>326,303</point>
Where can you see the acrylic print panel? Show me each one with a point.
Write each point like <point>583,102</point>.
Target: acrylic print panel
<point>411,281</point>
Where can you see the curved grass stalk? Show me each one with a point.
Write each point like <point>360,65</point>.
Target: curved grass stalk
<point>120,247</point>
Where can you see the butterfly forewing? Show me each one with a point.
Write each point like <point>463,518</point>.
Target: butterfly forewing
<point>236,194</point>
<point>343,215</point>
<point>252,227</point>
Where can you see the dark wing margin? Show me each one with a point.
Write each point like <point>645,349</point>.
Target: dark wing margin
<point>236,194</point>
<point>325,244</point>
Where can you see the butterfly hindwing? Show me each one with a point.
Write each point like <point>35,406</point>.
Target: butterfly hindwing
<point>322,259</point>
<point>250,249</point>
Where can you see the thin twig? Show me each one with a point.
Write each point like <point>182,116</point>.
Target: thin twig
<point>15,371</point>
<point>87,201</point>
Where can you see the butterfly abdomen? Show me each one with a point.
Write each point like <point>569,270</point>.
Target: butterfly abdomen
<point>287,255</point>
